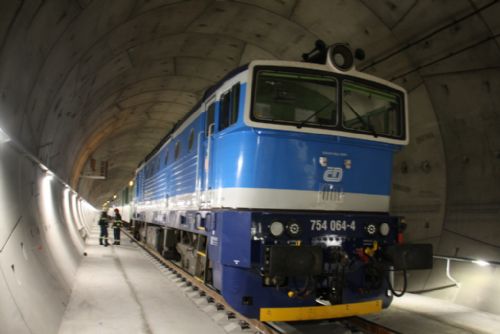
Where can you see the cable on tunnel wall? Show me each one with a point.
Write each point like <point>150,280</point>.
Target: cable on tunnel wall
<point>10,234</point>
<point>429,35</point>
<point>11,24</point>
<point>19,147</point>
<point>451,54</point>
<point>471,238</point>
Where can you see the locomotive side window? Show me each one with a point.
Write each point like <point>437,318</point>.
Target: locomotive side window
<point>370,109</point>
<point>152,168</point>
<point>166,159</point>
<point>235,103</point>
<point>177,150</point>
<point>191,140</point>
<point>210,119</point>
<point>229,107</point>
<point>224,111</point>
<point>295,98</point>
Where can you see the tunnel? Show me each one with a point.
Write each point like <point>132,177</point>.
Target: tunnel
<point>89,88</point>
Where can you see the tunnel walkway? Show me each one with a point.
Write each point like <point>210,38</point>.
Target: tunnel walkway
<point>415,314</point>
<point>117,291</point>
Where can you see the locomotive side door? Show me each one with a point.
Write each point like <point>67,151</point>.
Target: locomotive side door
<point>205,151</point>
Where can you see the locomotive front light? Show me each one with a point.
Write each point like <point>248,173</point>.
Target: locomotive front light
<point>384,229</point>
<point>3,137</point>
<point>276,228</point>
<point>293,229</point>
<point>481,263</point>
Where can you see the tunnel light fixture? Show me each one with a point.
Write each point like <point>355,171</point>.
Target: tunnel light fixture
<point>481,263</point>
<point>49,175</point>
<point>114,196</point>
<point>3,137</point>
<point>448,259</point>
<point>131,183</point>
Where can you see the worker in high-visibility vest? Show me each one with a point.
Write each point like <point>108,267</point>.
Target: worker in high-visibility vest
<point>117,224</point>
<point>104,223</point>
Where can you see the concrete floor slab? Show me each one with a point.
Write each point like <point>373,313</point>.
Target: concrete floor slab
<point>415,314</point>
<point>118,291</point>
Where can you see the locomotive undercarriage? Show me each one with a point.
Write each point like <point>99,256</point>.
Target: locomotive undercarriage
<point>185,248</point>
<point>337,259</point>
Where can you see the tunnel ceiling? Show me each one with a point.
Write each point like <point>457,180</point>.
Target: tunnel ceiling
<point>106,80</point>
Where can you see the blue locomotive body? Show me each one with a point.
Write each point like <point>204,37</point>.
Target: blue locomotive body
<point>275,189</point>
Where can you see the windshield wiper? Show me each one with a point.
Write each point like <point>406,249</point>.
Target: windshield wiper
<point>366,123</point>
<point>301,124</point>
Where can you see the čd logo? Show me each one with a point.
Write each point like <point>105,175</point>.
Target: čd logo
<point>333,174</point>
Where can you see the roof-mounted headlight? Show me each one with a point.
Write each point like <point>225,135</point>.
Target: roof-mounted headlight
<point>340,57</point>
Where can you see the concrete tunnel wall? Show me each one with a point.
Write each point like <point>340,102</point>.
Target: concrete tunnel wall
<point>43,224</point>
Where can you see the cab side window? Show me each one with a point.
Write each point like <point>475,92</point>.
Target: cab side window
<point>235,103</point>
<point>224,110</point>
<point>229,107</point>
<point>210,118</point>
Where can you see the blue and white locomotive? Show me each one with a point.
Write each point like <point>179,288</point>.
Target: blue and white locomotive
<point>275,189</point>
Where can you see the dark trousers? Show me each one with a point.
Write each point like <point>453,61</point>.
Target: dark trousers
<point>103,239</point>
<point>116,234</point>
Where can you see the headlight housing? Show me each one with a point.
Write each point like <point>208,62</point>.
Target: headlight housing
<point>384,229</point>
<point>276,228</point>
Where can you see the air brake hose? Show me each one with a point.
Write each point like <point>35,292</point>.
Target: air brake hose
<point>403,291</point>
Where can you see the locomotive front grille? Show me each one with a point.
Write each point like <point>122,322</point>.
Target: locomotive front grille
<point>286,261</point>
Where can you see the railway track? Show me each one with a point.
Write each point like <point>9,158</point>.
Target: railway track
<point>239,323</point>
<point>352,325</point>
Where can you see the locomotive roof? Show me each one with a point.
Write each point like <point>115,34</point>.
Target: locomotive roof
<point>208,92</point>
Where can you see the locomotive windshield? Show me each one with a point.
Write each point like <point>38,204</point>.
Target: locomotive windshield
<point>301,99</point>
<point>369,109</point>
<point>310,99</point>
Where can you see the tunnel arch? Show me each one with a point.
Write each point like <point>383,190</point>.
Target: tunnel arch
<point>69,72</point>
